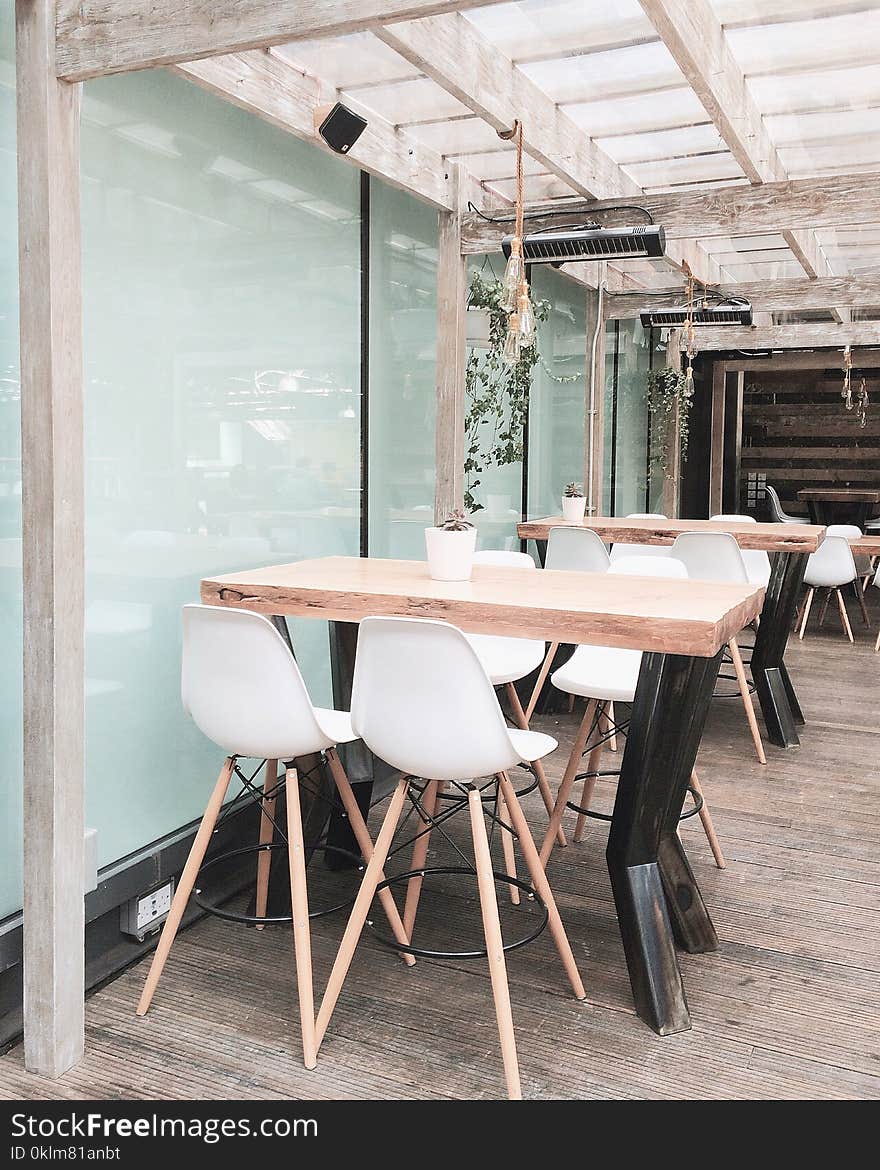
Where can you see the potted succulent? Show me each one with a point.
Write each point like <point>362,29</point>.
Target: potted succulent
<point>451,548</point>
<point>573,503</point>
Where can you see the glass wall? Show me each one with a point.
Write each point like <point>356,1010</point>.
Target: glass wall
<point>402,365</point>
<point>632,481</point>
<point>10,490</point>
<point>557,406</point>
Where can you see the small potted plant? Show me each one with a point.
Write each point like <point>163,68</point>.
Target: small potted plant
<point>451,548</point>
<point>573,504</point>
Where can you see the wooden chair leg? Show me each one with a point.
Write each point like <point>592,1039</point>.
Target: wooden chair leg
<point>302,943</point>
<point>542,678</point>
<point>365,844</point>
<point>706,820</point>
<point>360,910</point>
<point>185,885</point>
<point>608,719</point>
<point>419,857</point>
<point>267,833</point>
<point>844,616</point>
<point>747,700</point>
<point>571,770</point>
<point>861,600</point>
<point>494,945</point>
<point>538,767</point>
<point>824,610</point>
<point>808,601</point>
<point>877,644</point>
<point>588,788</point>
<point>542,885</point>
<point>507,846</point>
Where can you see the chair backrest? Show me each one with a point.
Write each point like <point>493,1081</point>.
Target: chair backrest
<point>847,531</point>
<point>242,686</point>
<point>734,518</point>
<point>641,550</point>
<point>832,563</point>
<point>578,550</point>
<point>638,566</point>
<point>756,560</point>
<point>710,556</point>
<point>777,515</point>
<point>422,701</point>
<point>497,556</point>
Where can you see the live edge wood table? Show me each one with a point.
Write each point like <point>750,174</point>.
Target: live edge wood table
<point>682,625</point>
<point>847,505</point>
<point>790,545</point>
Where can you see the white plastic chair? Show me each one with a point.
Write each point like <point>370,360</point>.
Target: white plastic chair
<point>422,701</point>
<point>507,660</point>
<point>243,689</point>
<point>830,567</point>
<point>756,560</point>
<point>877,583</point>
<point>864,565</point>
<point>604,675</point>
<point>641,550</point>
<point>715,556</point>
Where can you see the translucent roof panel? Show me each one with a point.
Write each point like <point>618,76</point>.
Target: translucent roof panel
<point>843,40</point>
<point>734,13</point>
<point>417,100</point>
<point>641,114</point>
<point>556,28</point>
<point>359,59</point>
<point>616,73</point>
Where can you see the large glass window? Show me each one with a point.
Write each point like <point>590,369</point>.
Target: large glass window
<point>632,480</point>
<point>402,364</point>
<point>10,489</point>
<point>222,384</point>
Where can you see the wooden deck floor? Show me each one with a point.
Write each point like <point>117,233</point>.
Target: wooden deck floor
<point>788,1008</point>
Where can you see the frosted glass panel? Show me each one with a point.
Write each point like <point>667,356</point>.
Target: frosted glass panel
<point>222,350</point>
<point>557,406</point>
<point>403,342</point>
<point>10,492</point>
<point>627,452</point>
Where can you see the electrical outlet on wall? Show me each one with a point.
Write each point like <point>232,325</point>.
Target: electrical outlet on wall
<point>144,914</point>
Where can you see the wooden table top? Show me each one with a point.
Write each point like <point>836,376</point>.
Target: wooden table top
<point>638,613</point>
<point>841,495</point>
<point>868,546</point>
<point>629,530</point>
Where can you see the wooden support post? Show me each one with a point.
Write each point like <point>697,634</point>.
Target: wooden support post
<point>594,437</point>
<point>672,476</point>
<point>451,358</point>
<point>52,545</point>
<point>716,448</point>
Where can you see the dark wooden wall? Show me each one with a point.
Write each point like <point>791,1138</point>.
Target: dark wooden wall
<point>797,431</point>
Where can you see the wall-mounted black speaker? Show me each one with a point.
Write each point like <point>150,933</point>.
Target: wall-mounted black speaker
<point>341,128</point>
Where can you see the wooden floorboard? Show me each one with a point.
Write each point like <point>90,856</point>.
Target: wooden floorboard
<point>788,1008</point>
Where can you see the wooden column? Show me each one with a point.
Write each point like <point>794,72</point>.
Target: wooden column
<point>672,477</point>
<point>716,448</point>
<point>52,546</point>
<point>594,449</point>
<point>451,358</point>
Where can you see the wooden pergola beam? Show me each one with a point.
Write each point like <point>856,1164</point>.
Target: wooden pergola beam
<point>813,335</point>
<point>265,85</point>
<point>734,209</point>
<point>766,296</point>
<point>96,37</point>
<point>455,55</point>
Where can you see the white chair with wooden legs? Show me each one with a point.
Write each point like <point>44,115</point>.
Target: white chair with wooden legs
<point>641,550</point>
<point>715,556</point>
<point>242,687</point>
<point>571,550</point>
<point>506,661</point>
<point>603,675</point>
<point>756,560</point>
<point>863,564</point>
<point>422,702</point>
<point>830,567</point>
<point>876,582</point>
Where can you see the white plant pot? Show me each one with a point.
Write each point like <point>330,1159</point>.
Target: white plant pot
<point>450,554</point>
<point>573,508</point>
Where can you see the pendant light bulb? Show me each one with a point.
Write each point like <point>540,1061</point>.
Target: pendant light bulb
<point>526,318</point>
<point>514,274</point>
<point>511,354</point>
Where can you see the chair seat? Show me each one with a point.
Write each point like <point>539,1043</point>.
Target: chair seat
<point>336,725</point>
<point>507,659</point>
<point>600,672</point>
<point>822,576</point>
<point>531,745</point>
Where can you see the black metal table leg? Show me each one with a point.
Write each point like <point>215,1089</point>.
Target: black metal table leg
<point>657,898</point>
<point>776,693</point>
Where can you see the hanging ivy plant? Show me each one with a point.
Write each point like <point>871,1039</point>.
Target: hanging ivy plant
<point>667,389</point>
<point>496,395</point>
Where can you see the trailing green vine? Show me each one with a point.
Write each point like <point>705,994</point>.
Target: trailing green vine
<point>667,389</point>
<point>496,395</point>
